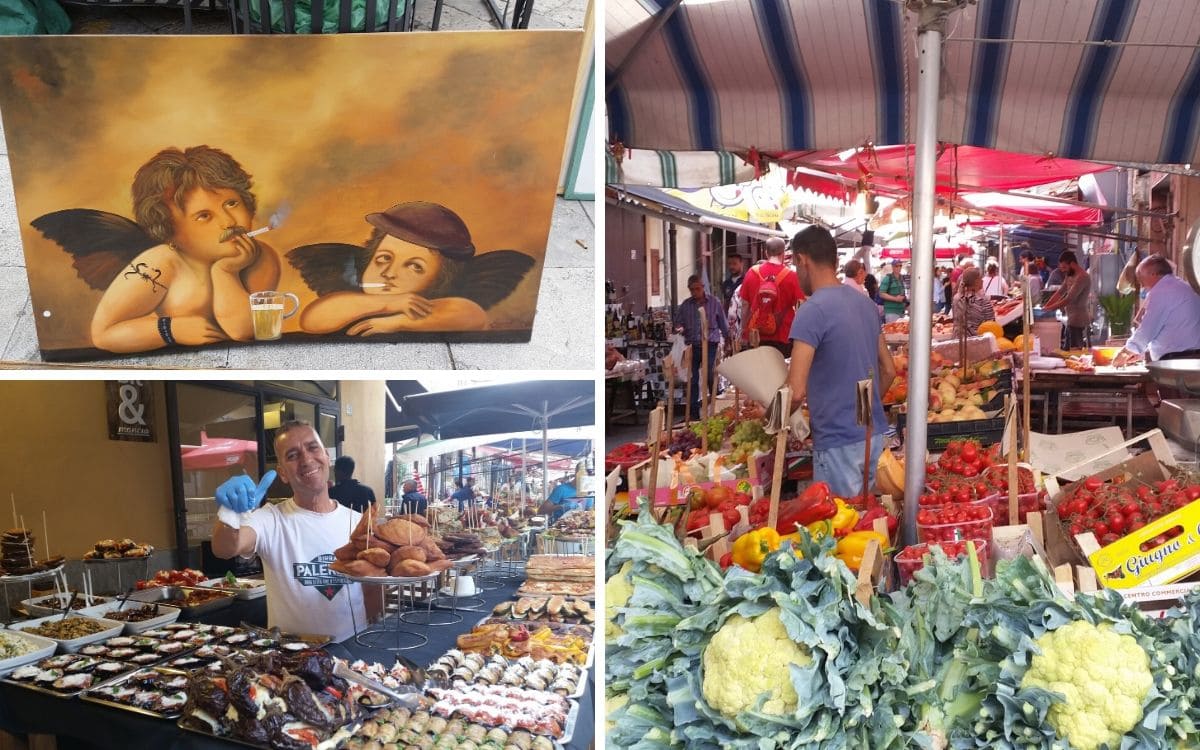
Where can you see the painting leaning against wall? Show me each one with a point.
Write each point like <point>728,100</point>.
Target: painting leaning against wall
<point>306,187</point>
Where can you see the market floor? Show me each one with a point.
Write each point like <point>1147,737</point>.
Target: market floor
<point>563,331</point>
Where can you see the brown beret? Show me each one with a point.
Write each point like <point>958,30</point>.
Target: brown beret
<point>428,225</point>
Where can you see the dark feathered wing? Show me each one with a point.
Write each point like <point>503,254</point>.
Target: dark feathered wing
<point>327,267</point>
<point>491,277</point>
<point>102,244</point>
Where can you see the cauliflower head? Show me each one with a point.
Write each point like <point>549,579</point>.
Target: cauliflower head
<point>747,658</point>
<point>1104,676</point>
<point>617,591</point>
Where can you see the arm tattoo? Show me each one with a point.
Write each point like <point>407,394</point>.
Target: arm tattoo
<point>144,271</point>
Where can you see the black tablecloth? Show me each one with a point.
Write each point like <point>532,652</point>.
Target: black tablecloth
<point>88,726</point>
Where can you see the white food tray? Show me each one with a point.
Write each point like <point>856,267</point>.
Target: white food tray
<point>258,592</point>
<point>167,615</point>
<point>43,606</point>
<point>45,647</point>
<point>112,628</point>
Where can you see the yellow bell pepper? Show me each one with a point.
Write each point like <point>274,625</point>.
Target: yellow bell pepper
<point>850,548</point>
<point>843,522</point>
<point>751,548</point>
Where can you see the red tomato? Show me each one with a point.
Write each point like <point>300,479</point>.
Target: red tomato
<point>1091,484</point>
<point>1108,539</point>
<point>1099,529</point>
<point>732,517</point>
<point>953,447</point>
<point>1192,491</point>
<point>969,451</point>
<point>1116,523</point>
<point>970,469</point>
<point>1076,529</point>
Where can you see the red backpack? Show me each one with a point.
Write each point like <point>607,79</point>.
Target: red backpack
<point>766,310</point>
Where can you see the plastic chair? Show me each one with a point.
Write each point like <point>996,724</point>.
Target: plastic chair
<point>283,16</point>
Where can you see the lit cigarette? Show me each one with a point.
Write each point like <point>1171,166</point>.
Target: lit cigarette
<point>257,232</point>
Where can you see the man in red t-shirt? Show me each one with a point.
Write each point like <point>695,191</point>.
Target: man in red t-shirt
<point>771,291</point>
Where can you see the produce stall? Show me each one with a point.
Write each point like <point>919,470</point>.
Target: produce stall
<point>790,653</point>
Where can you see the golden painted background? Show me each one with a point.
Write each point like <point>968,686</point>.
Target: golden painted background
<point>337,126</point>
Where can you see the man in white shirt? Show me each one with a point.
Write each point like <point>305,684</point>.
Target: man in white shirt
<point>1170,327</point>
<point>295,539</point>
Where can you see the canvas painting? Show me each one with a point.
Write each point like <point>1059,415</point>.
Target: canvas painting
<point>190,191</point>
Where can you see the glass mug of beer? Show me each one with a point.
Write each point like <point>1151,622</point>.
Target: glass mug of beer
<point>267,311</point>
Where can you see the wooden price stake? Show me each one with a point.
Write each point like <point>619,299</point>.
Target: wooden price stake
<point>670,423</point>
<point>703,379</point>
<point>687,387</point>
<point>1009,442</point>
<point>781,440</point>
<point>1026,324</point>
<point>865,417</point>
<point>654,437</point>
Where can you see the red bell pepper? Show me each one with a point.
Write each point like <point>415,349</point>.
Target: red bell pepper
<point>866,521</point>
<point>816,503</point>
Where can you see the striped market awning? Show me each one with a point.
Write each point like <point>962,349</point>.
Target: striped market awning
<point>1105,80</point>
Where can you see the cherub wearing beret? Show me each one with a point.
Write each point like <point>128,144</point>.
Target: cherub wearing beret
<point>418,271</point>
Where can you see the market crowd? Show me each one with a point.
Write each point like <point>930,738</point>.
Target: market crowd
<point>828,318</point>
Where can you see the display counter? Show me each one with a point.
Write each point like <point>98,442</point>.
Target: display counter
<point>81,724</point>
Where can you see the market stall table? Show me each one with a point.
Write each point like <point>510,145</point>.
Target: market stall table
<point>1115,392</point>
<point>80,724</point>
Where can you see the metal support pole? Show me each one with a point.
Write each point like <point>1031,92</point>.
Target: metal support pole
<point>929,50</point>
<point>545,451</point>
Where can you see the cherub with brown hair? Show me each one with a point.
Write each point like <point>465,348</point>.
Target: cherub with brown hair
<point>183,272</point>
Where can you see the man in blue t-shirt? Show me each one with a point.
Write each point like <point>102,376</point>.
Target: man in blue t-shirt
<point>836,341</point>
<point>464,494</point>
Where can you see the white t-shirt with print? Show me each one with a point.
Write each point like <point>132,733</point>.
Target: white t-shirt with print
<point>296,547</point>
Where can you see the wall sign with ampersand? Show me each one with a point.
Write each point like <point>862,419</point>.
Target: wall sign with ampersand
<point>130,410</point>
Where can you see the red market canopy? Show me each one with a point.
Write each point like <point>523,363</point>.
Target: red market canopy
<point>219,453</point>
<point>888,170</point>
<point>943,252</point>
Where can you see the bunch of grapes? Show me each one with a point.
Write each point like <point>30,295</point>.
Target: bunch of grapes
<point>748,437</point>
<point>684,441</point>
<point>714,428</point>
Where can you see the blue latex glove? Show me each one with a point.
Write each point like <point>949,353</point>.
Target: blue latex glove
<point>241,495</point>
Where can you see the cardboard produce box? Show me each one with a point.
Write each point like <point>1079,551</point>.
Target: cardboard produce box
<point>1134,561</point>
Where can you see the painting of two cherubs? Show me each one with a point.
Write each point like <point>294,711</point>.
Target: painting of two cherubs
<point>186,207</point>
<point>185,269</point>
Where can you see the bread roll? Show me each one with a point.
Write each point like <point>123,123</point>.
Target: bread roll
<point>358,568</point>
<point>421,521</point>
<point>432,550</point>
<point>346,553</point>
<point>399,532</point>
<point>361,541</point>
<point>413,568</point>
<point>377,556</point>
<point>409,552</point>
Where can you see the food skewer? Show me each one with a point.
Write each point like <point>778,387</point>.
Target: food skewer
<point>46,535</point>
<point>13,496</point>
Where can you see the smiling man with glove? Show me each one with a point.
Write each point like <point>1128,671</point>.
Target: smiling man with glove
<point>295,539</point>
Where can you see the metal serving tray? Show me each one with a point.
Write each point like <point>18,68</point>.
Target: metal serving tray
<point>89,696</point>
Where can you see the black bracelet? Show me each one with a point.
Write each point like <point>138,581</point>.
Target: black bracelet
<point>164,330</point>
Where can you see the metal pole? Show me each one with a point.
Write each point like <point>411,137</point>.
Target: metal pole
<point>524,471</point>
<point>545,449</point>
<point>929,50</point>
